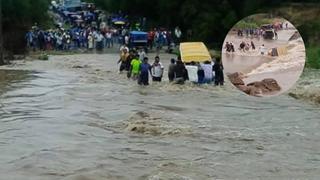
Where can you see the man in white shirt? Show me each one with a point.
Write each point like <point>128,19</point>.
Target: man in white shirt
<point>99,40</point>
<point>178,34</point>
<point>126,40</point>
<point>109,39</point>
<point>142,54</point>
<point>192,72</point>
<point>124,47</point>
<point>157,70</point>
<point>207,68</point>
<point>263,49</point>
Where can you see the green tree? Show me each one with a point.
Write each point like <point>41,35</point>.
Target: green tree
<point>17,17</point>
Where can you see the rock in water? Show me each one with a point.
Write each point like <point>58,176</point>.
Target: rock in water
<point>79,66</point>
<point>271,84</point>
<point>266,86</point>
<point>250,90</point>
<point>295,36</point>
<point>259,85</point>
<point>236,78</point>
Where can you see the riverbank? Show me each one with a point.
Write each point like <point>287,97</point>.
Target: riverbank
<point>308,87</point>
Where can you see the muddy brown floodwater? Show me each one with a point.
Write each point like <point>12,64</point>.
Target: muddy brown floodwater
<point>285,69</point>
<point>75,118</point>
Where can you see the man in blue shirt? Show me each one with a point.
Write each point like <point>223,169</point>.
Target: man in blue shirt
<point>145,69</point>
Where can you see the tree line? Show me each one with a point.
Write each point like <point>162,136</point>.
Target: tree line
<point>17,18</point>
<point>208,20</point>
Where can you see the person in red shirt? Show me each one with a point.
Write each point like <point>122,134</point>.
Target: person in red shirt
<point>151,35</point>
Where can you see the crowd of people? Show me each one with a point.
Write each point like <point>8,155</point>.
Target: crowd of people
<point>243,46</point>
<point>268,31</point>
<point>257,32</point>
<point>136,64</point>
<point>89,28</point>
<point>159,37</point>
<point>261,31</point>
<point>77,37</point>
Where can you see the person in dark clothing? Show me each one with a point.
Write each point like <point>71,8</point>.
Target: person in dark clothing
<point>145,69</point>
<point>242,46</point>
<point>41,40</point>
<point>180,72</point>
<point>171,70</point>
<point>200,75</point>
<point>232,47</point>
<point>128,61</point>
<point>218,69</point>
<point>227,47</point>
<point>253,46</point>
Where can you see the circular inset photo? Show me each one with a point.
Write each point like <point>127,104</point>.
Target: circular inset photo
<point>263,55</point>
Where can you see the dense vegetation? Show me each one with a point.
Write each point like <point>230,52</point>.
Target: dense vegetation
<point>17,18</point>
<point>208,20</point>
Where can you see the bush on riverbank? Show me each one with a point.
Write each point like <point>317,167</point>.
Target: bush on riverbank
<point>17,18</point>
<point>313,57</point>
<point>43,57</point>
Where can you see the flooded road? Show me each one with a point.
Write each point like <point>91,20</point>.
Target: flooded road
<point>75,118</point>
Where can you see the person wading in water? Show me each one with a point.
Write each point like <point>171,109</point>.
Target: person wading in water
<point>218,69</point>
<point>145,68</point>
<point>157,70</point>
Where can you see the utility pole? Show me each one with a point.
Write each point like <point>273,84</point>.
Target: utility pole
<point>1,36</point>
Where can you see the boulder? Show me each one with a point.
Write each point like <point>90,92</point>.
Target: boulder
<point>266,86</point>
<point>236,78</point>
<point>271,84</point>
<point>244,88</point>
<point>295,36</point>
<point>250,90</point>
<point>259,85</point>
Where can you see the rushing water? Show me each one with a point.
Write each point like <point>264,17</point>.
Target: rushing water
<point>285,69</point>
<point>58,121</point>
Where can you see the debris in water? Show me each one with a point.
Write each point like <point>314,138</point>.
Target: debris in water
<point>143,123</point>
<point>79,66</point>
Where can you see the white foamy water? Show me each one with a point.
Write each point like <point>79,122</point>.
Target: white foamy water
<point>295,59</point>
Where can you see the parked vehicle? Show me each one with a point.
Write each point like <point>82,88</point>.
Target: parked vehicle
<point>138,39</point>
<point>268,34</point>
